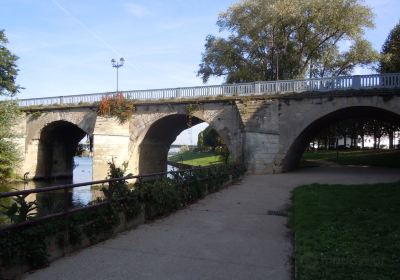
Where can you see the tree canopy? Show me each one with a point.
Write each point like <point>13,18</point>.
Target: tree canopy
<point>9,110</point>
<point>209,137</point>
<point>8,68</point>
<point>288,39</point>
<point>390,62</point>
<point>356,130</point>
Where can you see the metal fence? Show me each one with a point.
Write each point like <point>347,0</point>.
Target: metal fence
<point>377,81</point>
<point>69,208</point>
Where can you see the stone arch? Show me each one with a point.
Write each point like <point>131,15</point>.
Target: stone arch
<point>85,119</point>
<point>153,150</point>
<point>297,147</point>
<point>57,145</point>
<point>38,120</point>
<point>153,133</point>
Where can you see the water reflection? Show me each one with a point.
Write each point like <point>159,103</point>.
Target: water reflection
<point>83,173</point>
<point>54,200</point>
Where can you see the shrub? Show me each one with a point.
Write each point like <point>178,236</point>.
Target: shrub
<point>116,106</point>
<point>29,246</point>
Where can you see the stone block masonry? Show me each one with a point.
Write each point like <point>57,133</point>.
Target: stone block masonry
<point>267,133</point>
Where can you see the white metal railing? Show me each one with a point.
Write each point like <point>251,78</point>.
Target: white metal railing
<point>257,88</point>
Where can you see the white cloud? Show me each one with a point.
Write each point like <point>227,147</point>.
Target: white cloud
<point>137,10</point>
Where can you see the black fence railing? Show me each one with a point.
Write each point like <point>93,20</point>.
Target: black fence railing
<point>68,208</point>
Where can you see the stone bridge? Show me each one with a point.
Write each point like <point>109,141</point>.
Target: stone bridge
<point>268,132</point>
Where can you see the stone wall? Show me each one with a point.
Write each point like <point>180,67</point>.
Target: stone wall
<point>111,141</point>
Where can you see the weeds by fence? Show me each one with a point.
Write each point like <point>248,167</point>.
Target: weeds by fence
<point>26,241</point>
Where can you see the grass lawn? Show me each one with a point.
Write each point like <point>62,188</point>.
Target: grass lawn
<point>386,158</point>
<point>197,158</point>
<point>347,232</point>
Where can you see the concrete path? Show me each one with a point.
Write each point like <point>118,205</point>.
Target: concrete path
<point>227,235</point>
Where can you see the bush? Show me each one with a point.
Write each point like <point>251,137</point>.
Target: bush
<point>170,194</point>
<point>116,106</point>
<point>9,155</point>
<point>29,246</point>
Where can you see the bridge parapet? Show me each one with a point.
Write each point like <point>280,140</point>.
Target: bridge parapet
<point>358,82</point>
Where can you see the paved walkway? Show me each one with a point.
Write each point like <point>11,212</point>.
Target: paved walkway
<point>227,235</point>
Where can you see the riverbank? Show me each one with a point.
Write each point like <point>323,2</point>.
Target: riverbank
<point>82,173</point>
<point>191,158</point>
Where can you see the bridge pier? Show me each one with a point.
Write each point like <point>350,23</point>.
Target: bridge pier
<point>156,156</point>
<point>260,152</point>
<point>261,134</point>
<point>111,141</point>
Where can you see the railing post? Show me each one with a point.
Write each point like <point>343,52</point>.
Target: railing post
<point>61,99</point>
<point>277,87</point>
<point>66,200</point>
<point>224,90</point>
<point>257,87</point>
<point>356,82</point>
<point>178,92</point>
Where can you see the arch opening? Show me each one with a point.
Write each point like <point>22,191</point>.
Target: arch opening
<point>58,145</point>
<point>157,142</point>
<point>331,127</point>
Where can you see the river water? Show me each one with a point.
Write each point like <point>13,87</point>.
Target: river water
<point>82,173</point>
<point>79,196</point>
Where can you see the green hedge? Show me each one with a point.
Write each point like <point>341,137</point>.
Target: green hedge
<point>170,194</point>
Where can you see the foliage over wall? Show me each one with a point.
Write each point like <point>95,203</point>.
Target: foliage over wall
<point>116,106</point>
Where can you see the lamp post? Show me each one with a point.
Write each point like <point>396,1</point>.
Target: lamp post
<point>117,65</point>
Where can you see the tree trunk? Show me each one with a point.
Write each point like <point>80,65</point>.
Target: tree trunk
<point>362,141</point>
<point>391,140</point>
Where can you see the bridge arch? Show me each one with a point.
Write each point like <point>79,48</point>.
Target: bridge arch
<point>152,134</point>
<point>41,127</point>
<point>295,150</point>
<point>58,141</point>
<point>153,150</point>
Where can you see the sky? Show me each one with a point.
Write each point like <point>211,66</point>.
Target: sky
<point>65,46</point>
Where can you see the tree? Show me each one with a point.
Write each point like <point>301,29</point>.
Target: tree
<point>9,156</point>
<point>287,39</point>
<point>390,62</point>
<point>209,138</point>
<point>8,68</point>
<point>390,130</point>
<point>9,110</point>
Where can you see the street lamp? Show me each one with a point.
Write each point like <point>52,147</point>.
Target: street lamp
<point>117,65</point>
